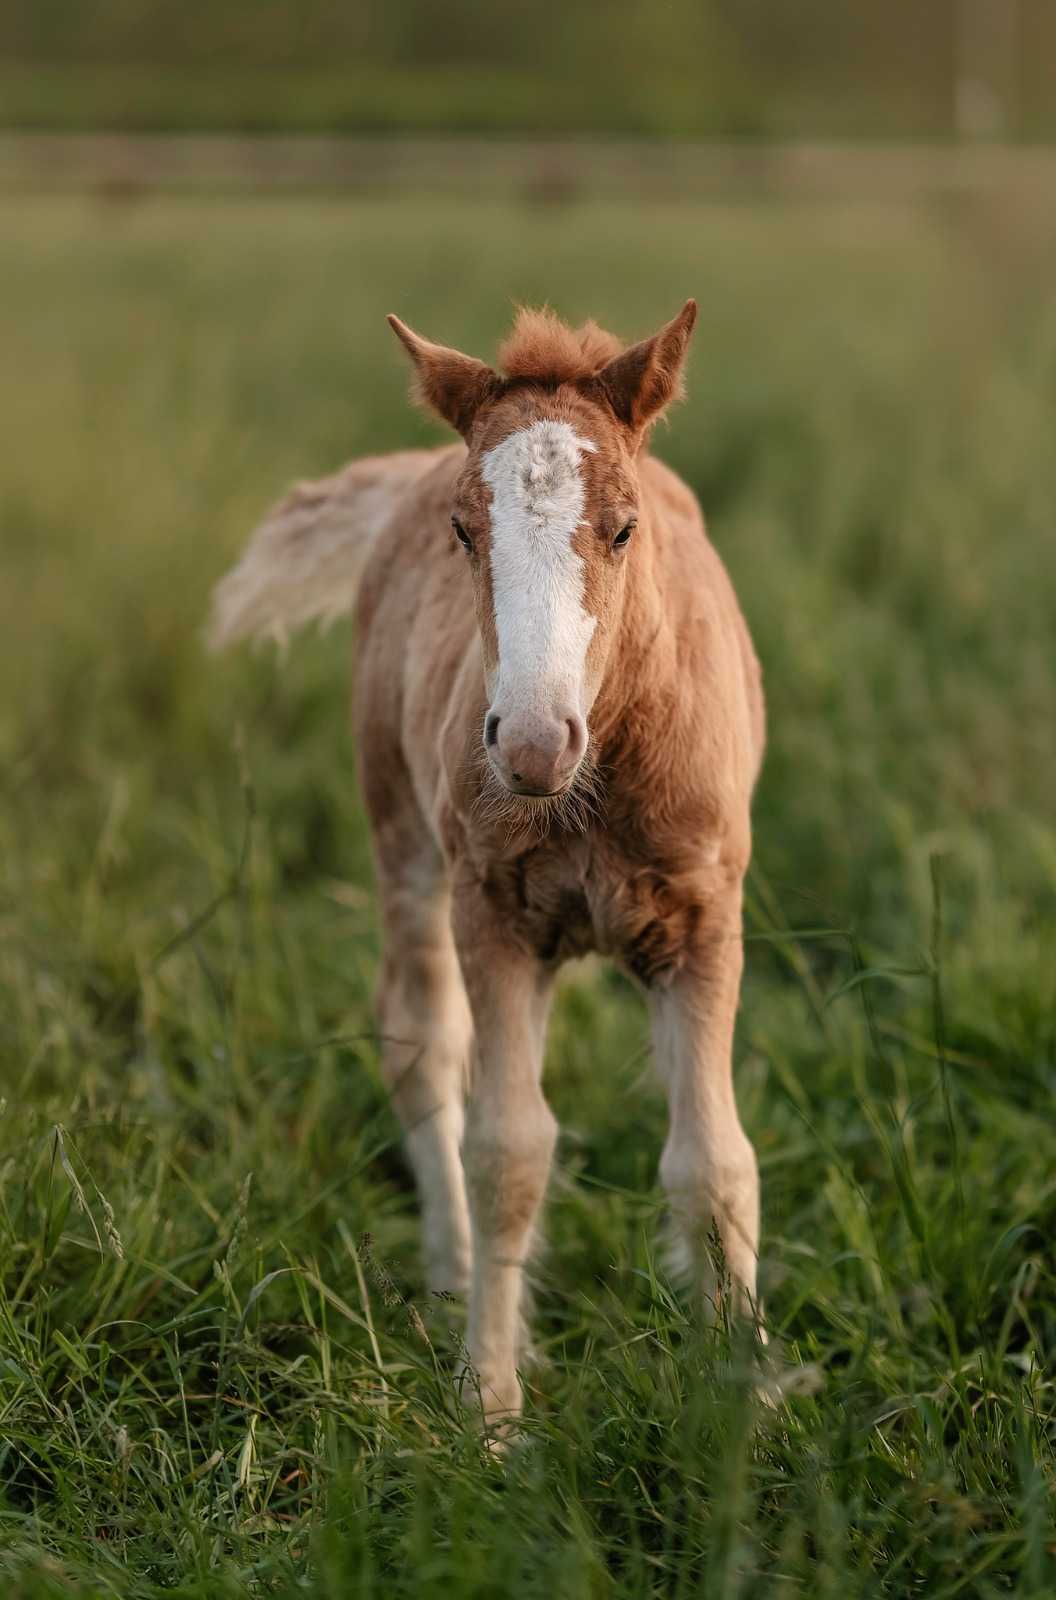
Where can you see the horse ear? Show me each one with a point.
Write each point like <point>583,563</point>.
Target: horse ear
<point>451,384</point>
<point>643,381</point>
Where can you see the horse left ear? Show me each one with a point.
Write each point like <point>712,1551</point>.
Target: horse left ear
<point>644,380</point>
<point>451,384</point>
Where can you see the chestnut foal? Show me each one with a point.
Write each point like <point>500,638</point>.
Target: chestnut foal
<point>560,722</point>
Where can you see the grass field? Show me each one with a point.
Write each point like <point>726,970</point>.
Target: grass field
<point>219,1375</point>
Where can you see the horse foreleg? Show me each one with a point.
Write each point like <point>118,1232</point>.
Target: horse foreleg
<point>509,1142</point>
<point>708,1167</point>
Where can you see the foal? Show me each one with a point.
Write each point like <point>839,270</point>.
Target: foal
<point>560,721</point>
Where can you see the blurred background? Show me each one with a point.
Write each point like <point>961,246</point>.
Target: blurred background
<point>206,211</point>
<point>678,68</point>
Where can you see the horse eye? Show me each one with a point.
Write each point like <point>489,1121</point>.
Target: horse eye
<point>461,535</point>
<point>624,534</point>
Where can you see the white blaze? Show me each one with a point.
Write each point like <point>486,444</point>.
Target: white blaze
<point>543,629</point>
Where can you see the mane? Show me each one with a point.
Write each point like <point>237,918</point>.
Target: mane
<point>542,347</point>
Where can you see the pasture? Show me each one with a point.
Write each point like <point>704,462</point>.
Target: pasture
<point>219,1373</point>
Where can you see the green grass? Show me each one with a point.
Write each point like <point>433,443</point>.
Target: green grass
<point>211,1381</point>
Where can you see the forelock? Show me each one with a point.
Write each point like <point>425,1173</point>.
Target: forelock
<point>543,349</point>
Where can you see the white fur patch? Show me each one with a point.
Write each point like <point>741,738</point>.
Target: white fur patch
<point>543,630</point>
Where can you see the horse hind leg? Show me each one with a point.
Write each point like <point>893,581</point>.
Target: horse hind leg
<point>426,1039</point>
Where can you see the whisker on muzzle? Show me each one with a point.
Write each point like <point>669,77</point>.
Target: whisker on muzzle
<point>579,807</point>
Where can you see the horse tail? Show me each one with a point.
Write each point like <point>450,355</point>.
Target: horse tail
<point>305,561</point>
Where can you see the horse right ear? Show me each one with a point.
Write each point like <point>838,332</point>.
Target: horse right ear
<point>451,384</point>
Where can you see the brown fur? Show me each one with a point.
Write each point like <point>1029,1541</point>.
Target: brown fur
<point>484,893</point>
<point>543,349</point>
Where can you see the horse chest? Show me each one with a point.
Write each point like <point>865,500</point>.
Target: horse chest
<point>569,900</point>
<point>543,898</point>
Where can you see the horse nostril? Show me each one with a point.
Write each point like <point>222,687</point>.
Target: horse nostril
<point>491,729</point>
<point>577,737</point>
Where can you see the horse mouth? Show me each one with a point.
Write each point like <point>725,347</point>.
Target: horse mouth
<point>523,792</point>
